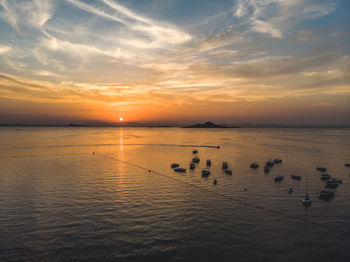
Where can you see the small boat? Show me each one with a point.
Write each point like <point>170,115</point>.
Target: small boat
<point>277,161</point>
<point>174,165</point>
<point>195,151</point>
<point>326,195</point>
<point>331,184</point>
<point>266,169</point>
<point>290,190</point>
<point>325,177</point>
<point>192,166</point>
<point>321,169</point>
<point>254,165</point>
<point>180,170</point>
<point>228,171</point>
<point>205,172</point>
<point>295,177</point>
<point>208,162</point>
<point>270,163</point>
<point>224,165</point>
<point>195,160</point>
<point>215,182</point>
<point>347,164</point>
<point>278,178</point>
<point>337,181</point>
<point>307,200</point>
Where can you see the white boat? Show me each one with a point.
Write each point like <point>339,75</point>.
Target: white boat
<point>307,200</point>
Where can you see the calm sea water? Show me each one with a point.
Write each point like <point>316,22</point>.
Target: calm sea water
<point>61,202</point>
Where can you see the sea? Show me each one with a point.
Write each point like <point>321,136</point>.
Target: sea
<point>109,194</point>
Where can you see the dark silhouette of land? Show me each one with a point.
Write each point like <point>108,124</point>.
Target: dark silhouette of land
<point>209,125</point>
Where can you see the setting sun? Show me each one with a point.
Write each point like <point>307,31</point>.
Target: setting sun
<point>121,119</point>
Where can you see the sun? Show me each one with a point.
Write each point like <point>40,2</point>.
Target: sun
<point>121,119</point>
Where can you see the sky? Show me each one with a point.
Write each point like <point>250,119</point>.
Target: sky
<point>175,61</point>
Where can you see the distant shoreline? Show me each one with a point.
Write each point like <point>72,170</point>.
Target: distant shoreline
<point>185,127</point>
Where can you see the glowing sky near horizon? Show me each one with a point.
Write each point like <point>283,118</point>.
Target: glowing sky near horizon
<point>167,61</point>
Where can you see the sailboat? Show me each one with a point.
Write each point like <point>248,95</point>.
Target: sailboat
<point>307,199</point>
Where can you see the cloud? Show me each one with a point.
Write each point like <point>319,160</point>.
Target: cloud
<point>4,49</point>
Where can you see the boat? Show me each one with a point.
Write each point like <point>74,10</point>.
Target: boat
<point>321,169</point>
<point>180,170</point>
<point>277,161</point>
<point>347,164</point>
<point>325,177</point>
<point>270,163</point>
<point>195,160</point>
<point>228,171</point>
<point>224,165</point>
<point>331,184</point>
<point>326,195</point>
<point>295,177</point>
<point>208,162</point>
<point>266,169</point>
<point>290,190</point>
<point>254,165</point>
<point>192,166</point>
<point>215,182</point>
<point>174,165</point>
<point>205,172</point>
<point>307,200</point>
<point>195,151</point>
<point>278,178</point>
<point>337,181</point>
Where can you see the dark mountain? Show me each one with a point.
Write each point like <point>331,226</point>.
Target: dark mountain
<point>206,125</point>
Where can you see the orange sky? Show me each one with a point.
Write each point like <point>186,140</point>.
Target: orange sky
<point>233,62</point>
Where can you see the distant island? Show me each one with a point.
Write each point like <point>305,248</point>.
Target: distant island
<point>208,125</point>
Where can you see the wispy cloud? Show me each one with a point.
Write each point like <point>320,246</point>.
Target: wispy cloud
<point>105,53</point>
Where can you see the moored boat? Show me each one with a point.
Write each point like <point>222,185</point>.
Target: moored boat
<point>224,165</point>
<point>195,160</point>
<point>331,184</point>
<point>205,172</point>
<point>325,177</point>
<point>307,200</point>
<point>270,163</point>
<point>266,169</point>
<point>295,177</point>
<point>180,170</point>
<point>326,195</point>
<point>208,162</point>
<point>277,161</point>
<point>228,171</point>
<point>192,166</point>
<point>254,165</point>
<point>321,169</point>
<point>174,165</point>
<point>278,178</point>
